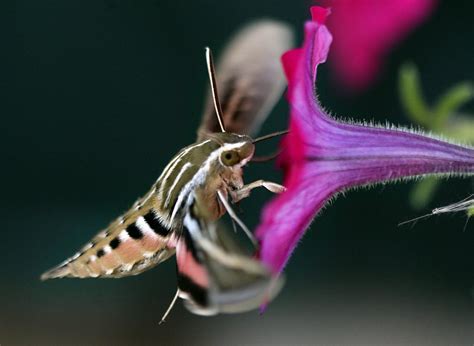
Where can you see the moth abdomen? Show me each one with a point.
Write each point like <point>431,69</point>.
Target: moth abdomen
<point>61,271</point>
<point>125,248</point>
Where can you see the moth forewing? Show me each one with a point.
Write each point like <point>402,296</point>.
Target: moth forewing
<point>249,78</point>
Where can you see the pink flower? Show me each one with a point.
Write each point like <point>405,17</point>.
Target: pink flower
<point>323,156</point>
<point>366,30</point>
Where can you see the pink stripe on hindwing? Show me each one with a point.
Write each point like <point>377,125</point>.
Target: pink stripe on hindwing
<point>189,266</point>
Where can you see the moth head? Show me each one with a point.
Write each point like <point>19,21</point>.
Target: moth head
<point>237,156</point>
<point>235,150</point>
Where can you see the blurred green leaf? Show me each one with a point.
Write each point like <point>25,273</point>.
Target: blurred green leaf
<point>470,212</point>
<point>460,128</point>
<point>411,95</point>
<point>450,102</point>
<point>423,192</point>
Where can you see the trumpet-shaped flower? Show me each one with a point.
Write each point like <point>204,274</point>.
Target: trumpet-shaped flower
<point>323,156</point>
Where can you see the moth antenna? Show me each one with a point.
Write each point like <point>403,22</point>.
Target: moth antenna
<point>271,135</point>
<point>212,78</point>
<point>163,319</point>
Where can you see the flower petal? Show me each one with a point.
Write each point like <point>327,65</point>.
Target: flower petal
<point>323,156</point>
<point>366,31</point>
<point>300,201</point>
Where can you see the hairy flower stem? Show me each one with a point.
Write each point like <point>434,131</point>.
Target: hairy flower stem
<point>359,154</point>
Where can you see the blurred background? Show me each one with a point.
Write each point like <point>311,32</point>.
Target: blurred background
<point>99,95</point>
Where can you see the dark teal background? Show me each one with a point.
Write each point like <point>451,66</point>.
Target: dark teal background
<point>99,95</point>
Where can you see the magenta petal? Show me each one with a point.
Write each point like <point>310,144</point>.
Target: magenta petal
<point>366,31</point>
<point>322,156</point>
<point>299,201</point>
<point>319,14</point>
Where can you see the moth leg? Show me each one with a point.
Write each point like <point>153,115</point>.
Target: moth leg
<point>234,227</point>
<point>244,192</point>
<point>234,217</point>
<point>169,307</point>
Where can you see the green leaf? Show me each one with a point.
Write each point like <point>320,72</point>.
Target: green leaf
<point>412,97</point>
<point>423,192</point>
<point>460,128</point>
<point>450,102</point>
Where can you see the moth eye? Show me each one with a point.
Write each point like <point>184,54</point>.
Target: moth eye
<point>230,158</point>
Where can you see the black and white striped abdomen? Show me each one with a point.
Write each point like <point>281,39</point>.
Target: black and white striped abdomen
<point>128,247</point>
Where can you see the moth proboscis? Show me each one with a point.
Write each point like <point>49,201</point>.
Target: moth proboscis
<point>180,214</point>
